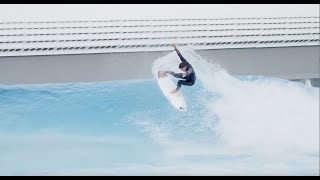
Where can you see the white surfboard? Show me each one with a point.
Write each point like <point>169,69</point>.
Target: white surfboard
<point>167,85</point>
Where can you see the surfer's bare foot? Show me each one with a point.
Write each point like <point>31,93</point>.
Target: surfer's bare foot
<point>174,91</point>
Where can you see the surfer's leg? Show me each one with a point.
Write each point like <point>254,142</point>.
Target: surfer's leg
<point>182,82</point>
<point>179,84</point>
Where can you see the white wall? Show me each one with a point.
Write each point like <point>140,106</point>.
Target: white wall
<point>288,63</point>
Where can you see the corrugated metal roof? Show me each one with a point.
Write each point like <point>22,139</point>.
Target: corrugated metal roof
<point>107,36</point>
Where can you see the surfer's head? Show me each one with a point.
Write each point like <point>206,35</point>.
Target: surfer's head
<point>183,66</point>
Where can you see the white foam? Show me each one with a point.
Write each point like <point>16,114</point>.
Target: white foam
<point>273,121</point>
<point>266,114</point>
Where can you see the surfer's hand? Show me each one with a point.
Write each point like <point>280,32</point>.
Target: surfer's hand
<point>162,74</point>
<point>174,45</point>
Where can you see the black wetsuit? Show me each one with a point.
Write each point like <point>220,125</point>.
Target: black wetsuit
<point>191,76</point>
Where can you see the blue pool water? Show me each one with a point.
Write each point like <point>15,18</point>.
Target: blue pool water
<point>234,126</point>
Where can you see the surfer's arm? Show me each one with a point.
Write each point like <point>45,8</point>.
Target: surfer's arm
<point>177,75</point>
<point>179,54</point>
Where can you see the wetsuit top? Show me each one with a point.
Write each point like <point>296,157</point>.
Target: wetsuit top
<point>191,76</point>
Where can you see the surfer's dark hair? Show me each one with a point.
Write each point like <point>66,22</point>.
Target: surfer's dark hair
<point>181,65</point>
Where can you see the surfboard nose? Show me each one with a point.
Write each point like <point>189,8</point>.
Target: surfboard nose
<point>167,85</point>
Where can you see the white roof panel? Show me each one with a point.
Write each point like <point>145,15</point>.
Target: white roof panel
<point>107,36</point>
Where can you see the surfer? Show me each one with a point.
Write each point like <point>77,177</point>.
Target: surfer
<point>189,76</point>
